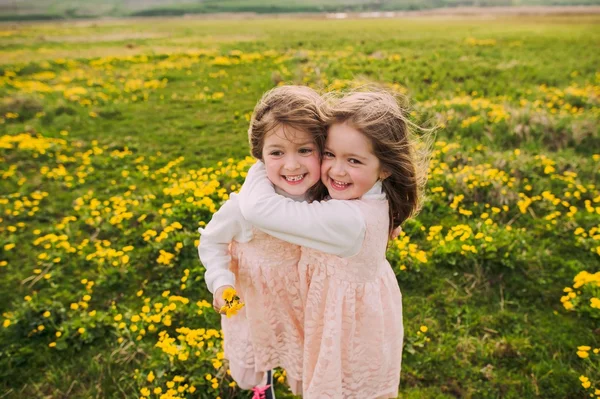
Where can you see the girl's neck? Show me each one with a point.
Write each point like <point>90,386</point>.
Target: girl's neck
<point>287,195</point>
<point>376,190</point>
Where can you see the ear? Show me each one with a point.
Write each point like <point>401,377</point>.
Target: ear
<point>384,174</point>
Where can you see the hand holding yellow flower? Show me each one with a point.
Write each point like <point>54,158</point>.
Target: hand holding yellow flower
<point>232,301</point>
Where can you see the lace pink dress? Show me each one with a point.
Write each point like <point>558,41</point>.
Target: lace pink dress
<point>353,328</point>
<point>268,332</point>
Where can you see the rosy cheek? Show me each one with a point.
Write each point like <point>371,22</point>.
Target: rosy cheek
<point>271,167</point>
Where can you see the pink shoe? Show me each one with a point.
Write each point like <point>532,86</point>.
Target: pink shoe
<point>260,392</point>
<point>266,391</point>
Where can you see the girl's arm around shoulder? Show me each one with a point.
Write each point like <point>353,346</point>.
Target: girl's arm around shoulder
<point>225,226</point>
<point>335,227</point>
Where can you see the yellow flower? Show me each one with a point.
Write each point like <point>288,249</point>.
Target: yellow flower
<point>58,334</point>
<point>582,354</point>
<point>145,391</point>
<point>81,330</point>
<point>150,377</point>
<point>584,348</point>
<point>231,311</point>
<point>423,329</point>
<point>229,294</point>
<point>74,306</point>
<point>6,323</point>
<point>46,314</point>
<point>52,344</point>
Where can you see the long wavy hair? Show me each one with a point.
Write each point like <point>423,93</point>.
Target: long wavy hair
<point>405,156</point>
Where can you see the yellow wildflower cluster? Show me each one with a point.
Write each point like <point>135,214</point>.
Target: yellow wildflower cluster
<point>585,286</point>
<point>27,142</point>
<point>174,388</point>
<point>406,249</point>
<point>232,302</point>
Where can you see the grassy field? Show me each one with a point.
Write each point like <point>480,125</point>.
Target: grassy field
<point>119,139</point>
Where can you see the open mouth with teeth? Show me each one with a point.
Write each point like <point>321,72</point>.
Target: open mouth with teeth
<point>338,185</point>
<point>294,179</point>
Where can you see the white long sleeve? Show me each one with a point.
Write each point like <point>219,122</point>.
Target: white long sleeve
<point>335,227</point>
<point>226,225</point>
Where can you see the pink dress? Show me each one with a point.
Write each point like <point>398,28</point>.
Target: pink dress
<point>353,328</point>
<point>268,332</point>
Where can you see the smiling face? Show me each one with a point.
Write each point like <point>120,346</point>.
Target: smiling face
<point>349,167</point>
<point>292,159</point>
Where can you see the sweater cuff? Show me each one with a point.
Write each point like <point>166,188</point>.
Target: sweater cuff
<point>228,279</point>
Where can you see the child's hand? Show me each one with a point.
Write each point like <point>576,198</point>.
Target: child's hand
<point>218,300</point>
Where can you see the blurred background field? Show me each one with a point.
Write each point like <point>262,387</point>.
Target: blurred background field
<point>19,10</point>
<point>118,139</point>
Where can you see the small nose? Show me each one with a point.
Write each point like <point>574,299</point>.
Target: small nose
<point>338,169</point>
<point>291,163</point>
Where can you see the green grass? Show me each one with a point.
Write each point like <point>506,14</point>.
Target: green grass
<point>496,325</point>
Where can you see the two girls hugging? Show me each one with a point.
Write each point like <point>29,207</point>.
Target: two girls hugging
<point>304,244</point>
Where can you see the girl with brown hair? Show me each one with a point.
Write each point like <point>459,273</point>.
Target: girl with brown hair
<point>286,133</point>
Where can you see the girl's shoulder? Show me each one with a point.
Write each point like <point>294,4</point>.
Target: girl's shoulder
<point>374,211</point>
<point>372,203</point>
<point>236,212</point>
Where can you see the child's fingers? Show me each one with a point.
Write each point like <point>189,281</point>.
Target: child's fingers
<point>218,305</point>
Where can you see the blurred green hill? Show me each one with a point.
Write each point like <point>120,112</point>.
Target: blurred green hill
<point>15,10</point>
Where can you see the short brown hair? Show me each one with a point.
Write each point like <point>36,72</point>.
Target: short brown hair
<point>299,107</point>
